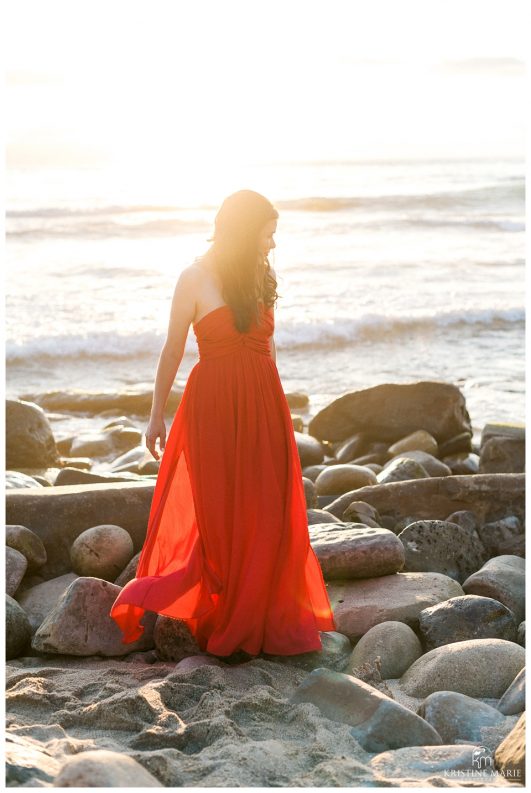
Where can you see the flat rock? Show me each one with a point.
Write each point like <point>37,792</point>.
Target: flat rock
<point>477,668</point>
<point>513,701</point>
<point>378,722</point>
<point>28,543</point>
<point>39,600</point>
<point>359,605</point>
<point>75,476</point>
<point>60,514</point>
<point>395,643</point>
<point>391,411</point>
<point>80,623</point>
<point>490,496</point>
<point>441,547</point>
<point>353,550</point>
<point>458,718</point>
<point>501,578</point>
<point>463,618</point>
<point>16,566</point>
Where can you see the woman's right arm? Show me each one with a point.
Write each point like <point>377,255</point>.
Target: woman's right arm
<point>181,316</point>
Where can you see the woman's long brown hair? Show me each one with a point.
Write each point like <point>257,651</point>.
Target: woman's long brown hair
<point>245,275</point>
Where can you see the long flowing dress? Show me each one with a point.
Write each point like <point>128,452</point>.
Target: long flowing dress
<point>227,548</point>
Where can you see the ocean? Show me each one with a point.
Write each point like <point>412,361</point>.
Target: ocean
<point>388,272</point>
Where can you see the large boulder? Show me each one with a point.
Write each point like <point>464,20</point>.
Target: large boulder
<point>477,668</point>
<point>29,438</point>
<point>80,623</point>
<point>395,643</point>
<point>359,605</point>
<point>490,496</point>
<point>101,551</point>
<point>463,618</point>
<point>459,718</point>
<point>501,578</point>
<point>391,411</point>
<point>27,542</point>
<point>510,754</point>
<point>351,550</point>
<point>441,547</point>
<point>59,514</point>
<point>378,722</point>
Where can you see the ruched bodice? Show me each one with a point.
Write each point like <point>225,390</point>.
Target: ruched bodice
<point>217,334</point>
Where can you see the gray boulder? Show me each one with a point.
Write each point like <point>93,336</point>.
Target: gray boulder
<point>395,643</point>
<point>501,578</point>
<point>18,630</point>
<point>28,543</point>
<point>378,722</point>
<point>355,551</point>
<point>477,668</point>
<point>513,701</point>
<point>80,623</point>
<point>463,618</point>
<point>458,718</point>
<point>16,565</point>
<point>441,547</point>
<point>29,438</point>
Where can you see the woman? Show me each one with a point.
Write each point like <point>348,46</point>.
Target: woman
<point>227,546</point>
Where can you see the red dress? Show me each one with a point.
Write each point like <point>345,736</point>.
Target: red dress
<point>227,547</point>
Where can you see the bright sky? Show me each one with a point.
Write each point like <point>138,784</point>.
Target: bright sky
<point>181,81</point>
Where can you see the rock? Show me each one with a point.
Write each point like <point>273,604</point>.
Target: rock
<point>130,402</point>
<point>463,465</point>
<point>101,551</point>
<point>495,535</point>
<point>462,442</point>
<point>432,763</point>
<point>502,456</point>
<point>39,600</point>
<point>337,479</point>
<point>441,547</point>
<point>29,437</point>
<point>17,629</point>
<point>496,429</point>
<point>309,493</point>
<point>27,763</point>
<point>352,447</point>
<point>463,618</point>
<point>74,476</point>
<point>149,467</point>
<point>360,512</point>
<point>509,758</point>
<point>359,605</point>
<point>125,438</point>
<point>92,444</point>
<point>129,572</point>
<point>335,654</point>
<point>15,480</point>
<point>16,565</point>
<point>130,460</point>
<point>313,471</point>
<point>501,578</point>
<point>477,668</point>
<point>513,701</point>
<point>490,496</point>
<point>396,645</point>
<point>104,769</point>
<point>298,423</point>
<point>466,519</point>
<point>80,623</point>
<point>120,421</point>
<point>420,441</point>
<point>431,464</point>
<point>458,718</point>
<point>354,551</point>
<point>521,634</point>
<point>28,543</point>
<point>389,412</point>
<point>310,450</point>
<point>400,469</point>
<point>173,640</point>
<point>316,516</point>
<point>378,723</point>
<point>60,514</point>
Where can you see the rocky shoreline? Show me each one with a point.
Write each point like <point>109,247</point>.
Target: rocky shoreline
<point>419,531</point>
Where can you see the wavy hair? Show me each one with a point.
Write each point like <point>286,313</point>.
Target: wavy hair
<point>245,274</point>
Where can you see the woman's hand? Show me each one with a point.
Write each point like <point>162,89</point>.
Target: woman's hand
<point>156,429</point>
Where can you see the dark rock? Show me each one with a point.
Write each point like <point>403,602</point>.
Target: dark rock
<point>440,547</point>
<point>463,466</point>
<point>311,452</point>
<point>352,447</point>
<point>463,618</point>
<point>462,442</point>
<point>173,640</point>
<point>502,456</point>
<point>18,629</point>
<point>309,493</point>
<point>355,551</point>
<point>497,534</point>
